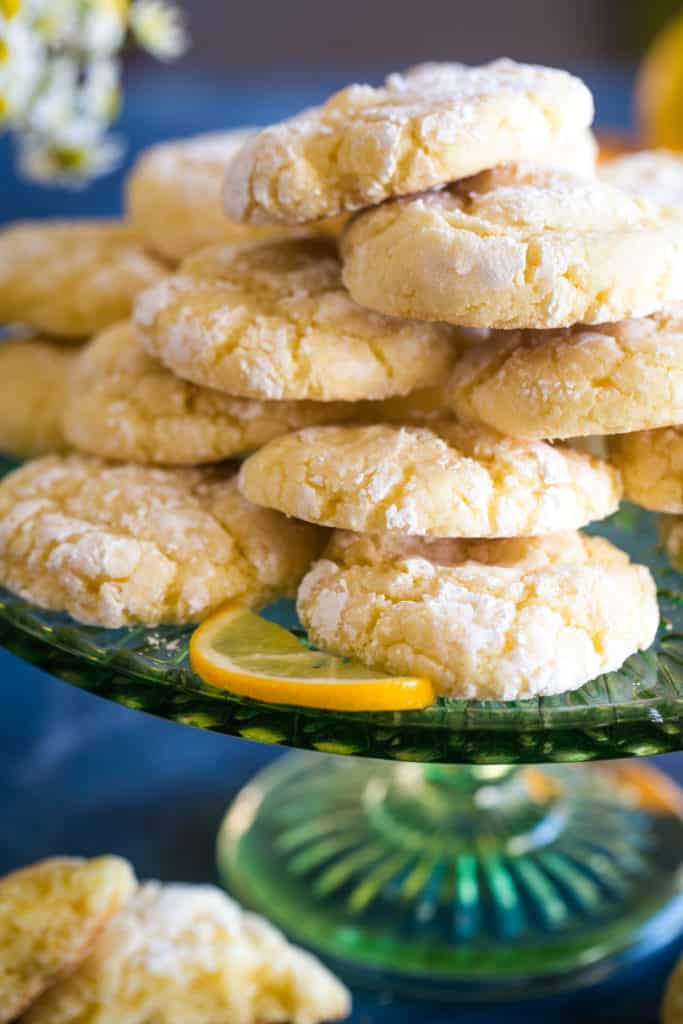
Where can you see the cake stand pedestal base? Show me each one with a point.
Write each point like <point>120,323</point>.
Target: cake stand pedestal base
<point>481,883</point>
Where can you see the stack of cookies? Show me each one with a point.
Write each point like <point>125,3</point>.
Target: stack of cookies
<point>82,940</point>
<point>397,319</point>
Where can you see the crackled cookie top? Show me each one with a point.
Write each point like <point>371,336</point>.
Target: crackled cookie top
<point>656,174</point>
<point>608,379</point>
<point>71,278</point>
<point>118,545</point>
<point>51,916</point>
<point>651,465</point>
<point>445,480</point>
<point>273,321</point>
<point>123,404</point>
<point>516,247</point>
<point>33,373</point>
<point>188,954</point>
<point>496,619</point>
<point>173,196</point>
<point>431,125</point>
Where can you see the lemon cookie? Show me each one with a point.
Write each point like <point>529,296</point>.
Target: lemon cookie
<point>33,374</point>
<point>71,278</point>
<point>122,404</point>
<point>173,196</point>
<point>116,545</point>
<point>516,247</point>
<point>182,954</point>
<point>430,125</point>
<point>654,173</point>
<point>608,379</point>
<point>273,321</point>
<point>501,619</point>
<point>51,915</point>
<point>651,465</point>
<point>445,480</point>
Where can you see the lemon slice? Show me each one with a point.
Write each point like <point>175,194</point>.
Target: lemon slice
<point>659,88</point>
<point>238,651</point>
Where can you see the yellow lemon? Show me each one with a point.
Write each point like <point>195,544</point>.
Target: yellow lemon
<point>236,650</point>
<point>659,89</point>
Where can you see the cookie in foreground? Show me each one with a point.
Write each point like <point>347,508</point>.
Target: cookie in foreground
<point>497,619</point>
<point>51,916</point>
<point>181,954</point>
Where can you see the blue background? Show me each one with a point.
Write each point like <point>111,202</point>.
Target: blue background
<point>79,775</point>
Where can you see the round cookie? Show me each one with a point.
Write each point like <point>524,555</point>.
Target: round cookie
<point>501,619</point>
<point>173,196</point>
<point>432,124</point>
<point>656,174</point>
<point>71,278</point>
<point>609,379</point>
<point>273,321</point>
<point>445,480</point>
<point>651,465</point>
<point>516,247</point>
<point>117,545</point>
<point>33,374</point>
<point>122,404</point>
<point>188,954</point>
<point>51,915</point>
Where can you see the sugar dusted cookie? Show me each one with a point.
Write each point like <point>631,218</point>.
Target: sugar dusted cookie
<point>608,379</point>
<point>500,619</point>
<point>173,196</point>
<point>33,373</point>
<point>516,247</point>
<point>51,916</point>
<point>651,464</point>
<point>431,125</point>
<point>656,174</point>
<point>123,404</point>
<point>274,321</point>
<point>444,480</point>
<point>182,954</point>
<point>117,545</point>
<point>71,278</point>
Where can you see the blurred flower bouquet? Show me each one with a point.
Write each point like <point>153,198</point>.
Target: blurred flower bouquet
<point>60,78</point>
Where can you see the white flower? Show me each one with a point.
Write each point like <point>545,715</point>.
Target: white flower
<point>57,102</point>
<point>101,93</point>
<point>22,58</point>
<point>104,27</point>
<point>75,156</point>
<point>158,26</point>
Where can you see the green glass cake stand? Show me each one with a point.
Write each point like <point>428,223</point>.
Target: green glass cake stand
<point>438,858</point>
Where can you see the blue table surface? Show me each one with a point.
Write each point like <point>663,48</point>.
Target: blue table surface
<point>79,775</point>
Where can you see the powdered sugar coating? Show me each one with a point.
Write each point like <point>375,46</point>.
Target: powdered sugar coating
<point>431,125</point>
<point>445,480</point>
<point>502,620</point>
<point>71,278</point>
<point>123,404</point>
<point>273,321</point>
<point>608,379</point>
<point>188,954</point>
<point>173,196</point>
<point>118,545</point>
<point>517,247</point>
<point>656,174</point>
